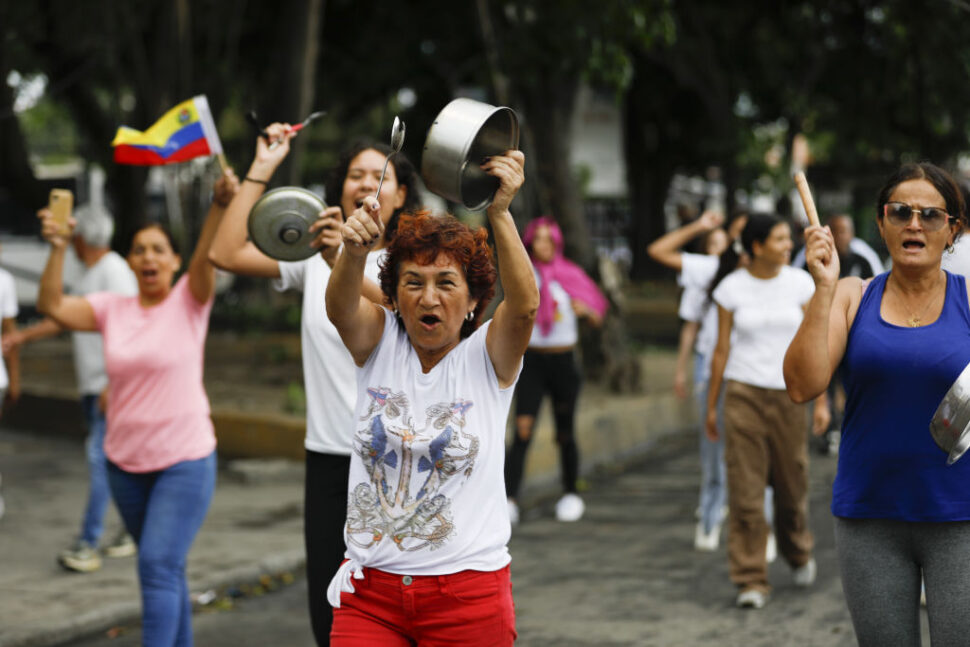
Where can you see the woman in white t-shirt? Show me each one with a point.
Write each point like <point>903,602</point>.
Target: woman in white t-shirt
<point>427,523</point>
<point>759,310</point>
<point>328,369</point>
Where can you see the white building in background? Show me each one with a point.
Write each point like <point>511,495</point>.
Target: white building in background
<point>596,140</point>
<point>597,143</point>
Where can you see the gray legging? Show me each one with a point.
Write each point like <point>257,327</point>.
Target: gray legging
<point>881,562</point>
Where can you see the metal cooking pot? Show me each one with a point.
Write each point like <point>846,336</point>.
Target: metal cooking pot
<point>462,135</point>
<point>950,426</point>
<point>279,223</point>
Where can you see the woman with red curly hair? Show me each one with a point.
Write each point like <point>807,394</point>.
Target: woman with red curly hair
<point>427,523</point>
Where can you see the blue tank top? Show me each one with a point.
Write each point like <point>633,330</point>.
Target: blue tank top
<point>895,377</point>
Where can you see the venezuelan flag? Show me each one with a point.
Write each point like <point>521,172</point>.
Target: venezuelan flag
<point>184,132</point>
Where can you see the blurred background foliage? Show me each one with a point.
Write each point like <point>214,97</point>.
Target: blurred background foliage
<point>870,83</point>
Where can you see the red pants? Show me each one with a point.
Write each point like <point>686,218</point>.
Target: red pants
<point>470,608</point>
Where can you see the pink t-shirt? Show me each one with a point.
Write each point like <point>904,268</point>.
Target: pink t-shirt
<point>158,411</point>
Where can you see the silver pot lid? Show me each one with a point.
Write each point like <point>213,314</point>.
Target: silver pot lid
<point>280,220</point>
<point>950,426</point>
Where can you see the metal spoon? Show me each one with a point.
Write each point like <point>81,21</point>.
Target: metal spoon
<point>397,141</point>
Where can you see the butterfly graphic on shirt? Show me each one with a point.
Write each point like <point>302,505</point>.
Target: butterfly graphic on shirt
<point>406,465</point>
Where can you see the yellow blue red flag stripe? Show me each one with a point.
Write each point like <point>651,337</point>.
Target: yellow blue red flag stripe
<point>184,132</point>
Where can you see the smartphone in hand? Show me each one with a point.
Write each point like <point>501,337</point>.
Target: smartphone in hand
<point>61,203</point>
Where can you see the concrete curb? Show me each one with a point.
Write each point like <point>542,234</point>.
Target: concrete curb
<point>111,615</point>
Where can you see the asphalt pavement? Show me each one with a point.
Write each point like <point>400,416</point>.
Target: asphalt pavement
<point>626,574</point>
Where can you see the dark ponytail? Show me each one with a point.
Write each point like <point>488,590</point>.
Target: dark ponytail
<point>727,263</point>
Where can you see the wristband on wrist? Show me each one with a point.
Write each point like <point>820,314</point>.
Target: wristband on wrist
<point>252,179</point>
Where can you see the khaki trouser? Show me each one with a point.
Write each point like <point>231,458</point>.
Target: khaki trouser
<point>766,444</point>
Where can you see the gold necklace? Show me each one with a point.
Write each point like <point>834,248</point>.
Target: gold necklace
<point>915,321</point>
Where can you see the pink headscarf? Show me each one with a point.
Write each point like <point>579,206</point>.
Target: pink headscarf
<point>570,276</point>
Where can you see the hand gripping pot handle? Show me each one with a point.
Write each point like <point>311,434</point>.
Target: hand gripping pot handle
<point>462,135</point>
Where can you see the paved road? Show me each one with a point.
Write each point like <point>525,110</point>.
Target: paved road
<point>625,575</point>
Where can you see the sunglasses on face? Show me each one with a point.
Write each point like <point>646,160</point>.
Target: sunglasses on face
<point>901,214</point>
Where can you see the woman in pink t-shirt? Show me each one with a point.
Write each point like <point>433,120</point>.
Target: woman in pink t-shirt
<point>160,442</point>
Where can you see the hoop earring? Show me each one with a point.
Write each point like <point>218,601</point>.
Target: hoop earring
<point>470,316</point>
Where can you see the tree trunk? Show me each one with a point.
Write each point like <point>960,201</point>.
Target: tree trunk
<point>549,105</point>
<point>299,38</point>
<point>648,182</point>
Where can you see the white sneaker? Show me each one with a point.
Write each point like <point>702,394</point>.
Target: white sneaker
<point>706,542</point>
<point>570,507</point>
<point>123,545</point>
<point>513,512</point>
<point>804,575</point>
<point>771,548</point>
<point>752,599</point>
<point>834,437</point>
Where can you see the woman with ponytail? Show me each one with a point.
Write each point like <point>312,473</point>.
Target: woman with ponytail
<point>759,310</point>
<point>566,294</point>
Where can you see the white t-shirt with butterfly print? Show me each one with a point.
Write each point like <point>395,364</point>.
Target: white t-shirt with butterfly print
<point>426,494</point>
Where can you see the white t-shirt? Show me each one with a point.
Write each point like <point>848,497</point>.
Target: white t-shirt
<point>696,273</point>
<point>328,369</point>
<point>8,310</point>
<point>564,331</point>
<point>110,274</point>
<point>767,313</point>
<point>427,489</point>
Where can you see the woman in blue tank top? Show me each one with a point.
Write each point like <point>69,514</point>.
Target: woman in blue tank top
<point>902,339</point>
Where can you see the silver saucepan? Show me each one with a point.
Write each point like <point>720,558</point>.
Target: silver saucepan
<point>950,426</point>
<point>463,134</point>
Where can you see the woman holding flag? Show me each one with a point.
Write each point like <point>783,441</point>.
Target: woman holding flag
<point>160,442</point>
<point>328,368</point>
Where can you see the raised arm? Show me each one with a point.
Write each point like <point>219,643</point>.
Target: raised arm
<point>359,320</point>
<point>511,328</point>
<point>231,249</point>
<point>666,249</point>
<point>202,273</point>
<point>74,313</point>
<point>820,342</point>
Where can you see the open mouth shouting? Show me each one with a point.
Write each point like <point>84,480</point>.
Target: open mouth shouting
<point>149,274</point>
<point>429,321</point>
<point>913,244</point>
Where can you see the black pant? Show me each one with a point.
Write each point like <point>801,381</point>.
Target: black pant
<point>324,515</point>
<point>557,374</point>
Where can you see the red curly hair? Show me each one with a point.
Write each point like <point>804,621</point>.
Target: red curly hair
<point>420,237</point>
